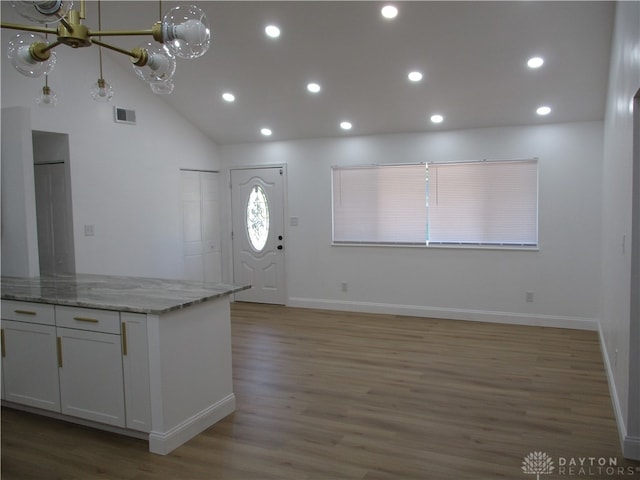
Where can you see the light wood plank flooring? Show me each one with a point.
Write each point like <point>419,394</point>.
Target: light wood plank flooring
<point>327,395</point>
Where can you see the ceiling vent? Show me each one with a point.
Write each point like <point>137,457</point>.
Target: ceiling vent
<point>122,115</point>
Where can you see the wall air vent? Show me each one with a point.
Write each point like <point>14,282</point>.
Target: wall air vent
<point>121,115</point>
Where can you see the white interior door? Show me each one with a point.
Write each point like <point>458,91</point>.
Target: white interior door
<point>257,204</point>
<point>201,226</point>
<point>54,222</point>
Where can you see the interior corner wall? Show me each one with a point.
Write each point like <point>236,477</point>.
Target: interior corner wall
<point>125,179</point>
<point>624,83</point>
<point>459,283</point>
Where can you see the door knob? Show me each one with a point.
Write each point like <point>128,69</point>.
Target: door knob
<point>279,247</point>
<point>279,237</point>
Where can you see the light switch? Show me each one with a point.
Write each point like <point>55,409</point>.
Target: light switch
<point>89,231</point>
<point>293,221</point>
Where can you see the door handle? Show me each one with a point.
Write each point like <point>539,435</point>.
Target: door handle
<point>279,247</point>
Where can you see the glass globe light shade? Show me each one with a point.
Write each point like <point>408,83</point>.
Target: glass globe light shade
<point>101,91</point>
<point>47,98</point>
<point>186,32</point>
<point>162,88</point>
<point>160,66</point>
<point>43,11</point>
<point>20,56</point>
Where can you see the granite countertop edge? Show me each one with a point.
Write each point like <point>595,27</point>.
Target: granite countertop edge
<point>141,295</point>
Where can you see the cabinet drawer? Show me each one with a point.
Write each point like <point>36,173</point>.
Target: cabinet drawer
<point>91,319</point>
<point>41,313</point>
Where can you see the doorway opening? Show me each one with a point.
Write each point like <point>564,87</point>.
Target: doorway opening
<point>54,210</point>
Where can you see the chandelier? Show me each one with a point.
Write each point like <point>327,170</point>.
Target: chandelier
<point>183,32</point>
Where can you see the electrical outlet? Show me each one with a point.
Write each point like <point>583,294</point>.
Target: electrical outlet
<point>89,231</point>
<point>529,297</point>
<point>344,286</point>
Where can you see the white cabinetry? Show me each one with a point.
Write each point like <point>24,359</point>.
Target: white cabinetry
<point>29,363</point>
<point>80,362</point>
<point>91,376</point>
<point>135,362</point>
<point>163,376</point>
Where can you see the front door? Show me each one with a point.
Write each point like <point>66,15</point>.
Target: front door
<point>257,204</point>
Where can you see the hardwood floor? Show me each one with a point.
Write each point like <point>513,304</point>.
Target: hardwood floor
<point>327,395</point>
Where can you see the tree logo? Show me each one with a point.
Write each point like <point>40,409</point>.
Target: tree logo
<point>537,463</point>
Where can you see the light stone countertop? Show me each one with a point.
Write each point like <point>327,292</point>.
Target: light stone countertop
<point>107,292</point>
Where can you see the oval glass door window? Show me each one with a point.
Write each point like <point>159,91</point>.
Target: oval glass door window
<point>257,218</point>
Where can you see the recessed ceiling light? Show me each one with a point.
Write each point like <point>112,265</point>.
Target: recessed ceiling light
<point>313,87</point>
<point>543,110</point>
<point>266,132</point>
<point>345,125</point>
<point>228,97</point>
<point>389,11</point>
<point>535,62</point>
<point>437,118</point>
<point>272,31</point>
<point>415,76</point>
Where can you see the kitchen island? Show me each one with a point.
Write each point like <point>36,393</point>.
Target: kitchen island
<point>144,357</point>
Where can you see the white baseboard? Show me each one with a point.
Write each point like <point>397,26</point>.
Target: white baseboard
<point>631,447</point>
<point>577,323</point>
<point>163,443</point>
<point>613,391</point>
<point>630,444</point>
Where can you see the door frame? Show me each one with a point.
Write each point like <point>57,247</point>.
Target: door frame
<point>285,220</point>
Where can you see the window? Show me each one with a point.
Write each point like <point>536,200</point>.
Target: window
<point>468,203</point>
<point>257,218</point>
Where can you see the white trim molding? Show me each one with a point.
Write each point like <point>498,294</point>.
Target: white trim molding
<point>514,318</point>
<point>164,442</point>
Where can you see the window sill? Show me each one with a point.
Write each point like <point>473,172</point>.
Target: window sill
<point>465,246</point>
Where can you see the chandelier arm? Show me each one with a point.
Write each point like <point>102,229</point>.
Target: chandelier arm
<point>51,46</point>
<point>28,28</point>
<point>120,33</point>
<point>129,53</point>
<point>64,22</point>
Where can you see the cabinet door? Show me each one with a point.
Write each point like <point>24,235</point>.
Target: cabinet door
<point>135,362</point>
<point>91,383</point>
<point>29,365</point>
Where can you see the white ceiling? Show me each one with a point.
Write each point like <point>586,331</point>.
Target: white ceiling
<point>472,54</point>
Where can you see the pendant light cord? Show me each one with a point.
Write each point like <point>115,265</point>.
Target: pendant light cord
<point>100,38</point>
<point>46,75</point>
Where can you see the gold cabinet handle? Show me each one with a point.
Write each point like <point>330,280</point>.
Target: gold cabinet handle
<point>124,338</point>
<point>59,348</point>
<point>4,352</point>
<point>86,319</point>
<point>26,312</point>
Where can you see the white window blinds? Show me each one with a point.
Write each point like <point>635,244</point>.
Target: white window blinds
<point>479,203</point>
<point>380,204</point>
<point>484,203</point>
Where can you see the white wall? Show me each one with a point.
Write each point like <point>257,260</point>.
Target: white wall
<point>624,83</point>
<point>445,282</point>
<point>125,179</point>
<point>19,232</point>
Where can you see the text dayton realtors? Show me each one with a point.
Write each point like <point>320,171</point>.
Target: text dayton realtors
<point>592,466</point>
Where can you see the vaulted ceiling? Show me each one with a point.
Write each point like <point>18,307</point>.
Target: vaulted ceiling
<point>472,56</point>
